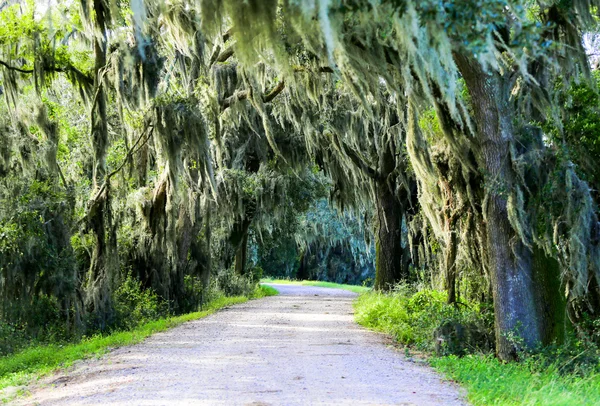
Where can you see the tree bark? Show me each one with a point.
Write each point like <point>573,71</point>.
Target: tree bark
<point>552,304</point>
<point>510,261</point>
<point>389,268</point>
<point>98,116</point>
<point>450,262</point>
<point>104,259</point>
<point>241,256</point>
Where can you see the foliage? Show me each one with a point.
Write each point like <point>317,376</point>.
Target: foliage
<point>413,317</point>
<point>233,284</point>
<point>134,305</point>
<point>579,129</point>
<point>265,291</point>
<point>158,138</point>
<point>12,339</point>
<point>37,276</point>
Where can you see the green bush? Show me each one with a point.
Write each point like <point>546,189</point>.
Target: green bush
<point>232,284</point>
<point>256,274</point>
<point>12,338</point>
<point>37,273</point>
<point>424,320</point>
<point>44,324</point>
<point>134,305</point>
<point>565,374</point>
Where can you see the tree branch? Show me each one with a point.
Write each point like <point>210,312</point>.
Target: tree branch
<point>241,95</point>
<point>356,159</point>
<point>67,69</point>
<point>225,55</point>
<point>361,164</point>
<point>272,94</point>
<point>227,35</point>
<point>9,67</point>
<point>130,153</point>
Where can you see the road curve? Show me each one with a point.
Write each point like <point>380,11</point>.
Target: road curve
<point>299,348</point>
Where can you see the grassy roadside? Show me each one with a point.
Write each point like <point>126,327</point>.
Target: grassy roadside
<point>491,382</point>
<point>20,368</point>
<point>411,319</point>
<point>351,288</point>
<point>268,291</point>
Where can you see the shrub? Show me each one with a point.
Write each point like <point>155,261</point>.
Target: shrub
<point>134,305</point>
<point>12,338</point>
<point>256,274</point>
<point>232,284</point>
<point>424,319</point>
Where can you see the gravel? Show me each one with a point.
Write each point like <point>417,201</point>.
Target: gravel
<point>299,348</point>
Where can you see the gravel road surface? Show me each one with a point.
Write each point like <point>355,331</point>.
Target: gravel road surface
<point>299,348</point>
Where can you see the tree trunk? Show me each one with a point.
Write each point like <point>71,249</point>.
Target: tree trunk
<point>206,266</point>
<point>389,264</point>
<point>103,264</point>
<point>302,273</point>
<point>98,116</point>
<point>552,304</point>
<point>450,262</point>
<point>240,256</point>
<point>510,262</point>
<point>239,235</point>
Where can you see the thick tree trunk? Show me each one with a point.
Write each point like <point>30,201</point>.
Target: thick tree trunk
<point>389,264</point>
<point>189,255</point>
<point>510,262</point>
<point>205,268</point>
<point>239,236</point>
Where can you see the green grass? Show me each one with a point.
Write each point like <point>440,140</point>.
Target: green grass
<point>411,318</point>
<point>352,288</point>
<point>490,382</point>
<point>20,368</point>
<point>267,291</point>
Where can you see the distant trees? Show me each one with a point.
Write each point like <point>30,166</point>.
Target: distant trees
<point>318,244</point>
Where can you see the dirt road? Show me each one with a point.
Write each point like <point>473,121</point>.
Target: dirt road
<point>299,348</point>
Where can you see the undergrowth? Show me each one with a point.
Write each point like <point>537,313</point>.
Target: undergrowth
<point>423,320</point>
<point>567,374</point>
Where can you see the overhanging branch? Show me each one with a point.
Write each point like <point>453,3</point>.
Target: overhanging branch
<point>356,159</point>
<point>272,94</point>
<point>68,69</point>
<point>9,67</point>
